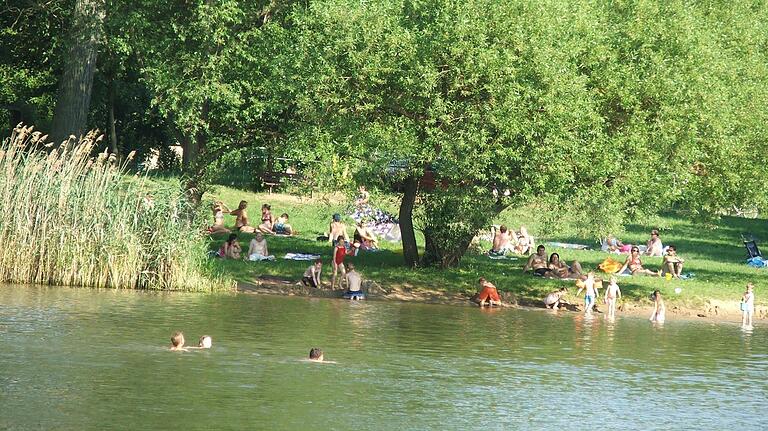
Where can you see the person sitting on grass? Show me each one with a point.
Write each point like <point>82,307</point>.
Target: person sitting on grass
<point>177,342</point>
<point>219,209</point>
<point>655,248</point>
<point>231,248</point>
<point>312,275</point>
<point>337,229</point>
<point>538,262</point>
<point>488,292</point>
<point>502,242</point>
<point>365,237</point>
<point>257,249</point>
<point>241,218</point>
<point>354,282</point>
<point>559,269</point>
<point>339,253</point>
<point>282,227</point>
<point>672,263</point>
<point>554,299</point>
<point>266,219</point>
<point>524,242</point>
<point>634,266</point>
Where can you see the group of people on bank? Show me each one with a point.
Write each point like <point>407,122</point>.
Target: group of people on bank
<point>269,224</point>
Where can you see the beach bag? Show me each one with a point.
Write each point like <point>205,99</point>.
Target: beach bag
<point>610,266</point>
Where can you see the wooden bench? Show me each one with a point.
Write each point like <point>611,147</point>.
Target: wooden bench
<point>272,179</point>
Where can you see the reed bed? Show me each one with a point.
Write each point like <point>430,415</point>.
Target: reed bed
<point>68,218</point>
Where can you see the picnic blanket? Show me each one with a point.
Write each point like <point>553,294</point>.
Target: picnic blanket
<point>610,266</point>
<point>568,245</point>
<point>301,256</point>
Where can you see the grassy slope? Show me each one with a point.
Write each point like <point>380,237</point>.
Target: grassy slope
<point>714,253</point>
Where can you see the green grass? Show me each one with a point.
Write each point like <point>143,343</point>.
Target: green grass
<point>714,253</point>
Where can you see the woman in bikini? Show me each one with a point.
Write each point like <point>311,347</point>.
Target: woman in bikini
<point>241,220</point>
<point>634,266</point>
<point>219,209</point>
<point>266,219</point>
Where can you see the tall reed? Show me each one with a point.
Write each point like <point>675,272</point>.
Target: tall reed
<point>67,218</point>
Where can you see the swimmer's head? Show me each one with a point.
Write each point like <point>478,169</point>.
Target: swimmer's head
<point>177,340</point>
<point>337,217</point>
<point>205,342</point>
<point>315,354</point>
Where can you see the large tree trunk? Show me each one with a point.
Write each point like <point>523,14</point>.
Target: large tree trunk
<point>70,115</point>
<point>410,250</point>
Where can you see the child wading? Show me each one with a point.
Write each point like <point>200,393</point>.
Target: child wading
<point>748,307</point>
<point>590,293</point>
<point>612,294</point>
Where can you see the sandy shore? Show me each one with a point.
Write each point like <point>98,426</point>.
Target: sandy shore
<point>712,310</point>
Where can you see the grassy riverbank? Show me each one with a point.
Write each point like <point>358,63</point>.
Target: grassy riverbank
<point>75,220</point>
<point>714,253</point>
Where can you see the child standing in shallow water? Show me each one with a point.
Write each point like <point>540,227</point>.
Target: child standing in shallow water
<point>747,306</point>
<point>658,308</point>
<point>612,294</point>
<point>590,293</point>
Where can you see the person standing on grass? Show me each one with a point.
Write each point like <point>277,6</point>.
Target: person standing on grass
<point>339,252</point>
<point>612,295</point>
<point>312,275</point>
<point>748,306</point>
<point>488,293</point>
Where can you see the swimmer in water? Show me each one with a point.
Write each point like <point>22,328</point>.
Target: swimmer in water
<point>177,342</point>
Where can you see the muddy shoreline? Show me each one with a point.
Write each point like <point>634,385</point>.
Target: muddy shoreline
<point>712,310</point>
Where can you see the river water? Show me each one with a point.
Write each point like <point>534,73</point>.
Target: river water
<point>86,359</point>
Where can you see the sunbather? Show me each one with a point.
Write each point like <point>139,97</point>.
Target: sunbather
<point>634,266</point>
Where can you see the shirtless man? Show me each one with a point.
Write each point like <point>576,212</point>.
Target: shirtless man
<point>538,262</point>
<point>336,229</point>
<point>502,242</point>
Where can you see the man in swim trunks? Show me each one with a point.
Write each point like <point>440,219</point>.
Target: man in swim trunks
<point>354,280</point>
<point>488,293</point>
<point>337,229</point>
<point>538,262</point>
<point>501,242</point>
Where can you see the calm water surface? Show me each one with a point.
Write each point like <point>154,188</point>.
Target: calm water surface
<point>85,359</point>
